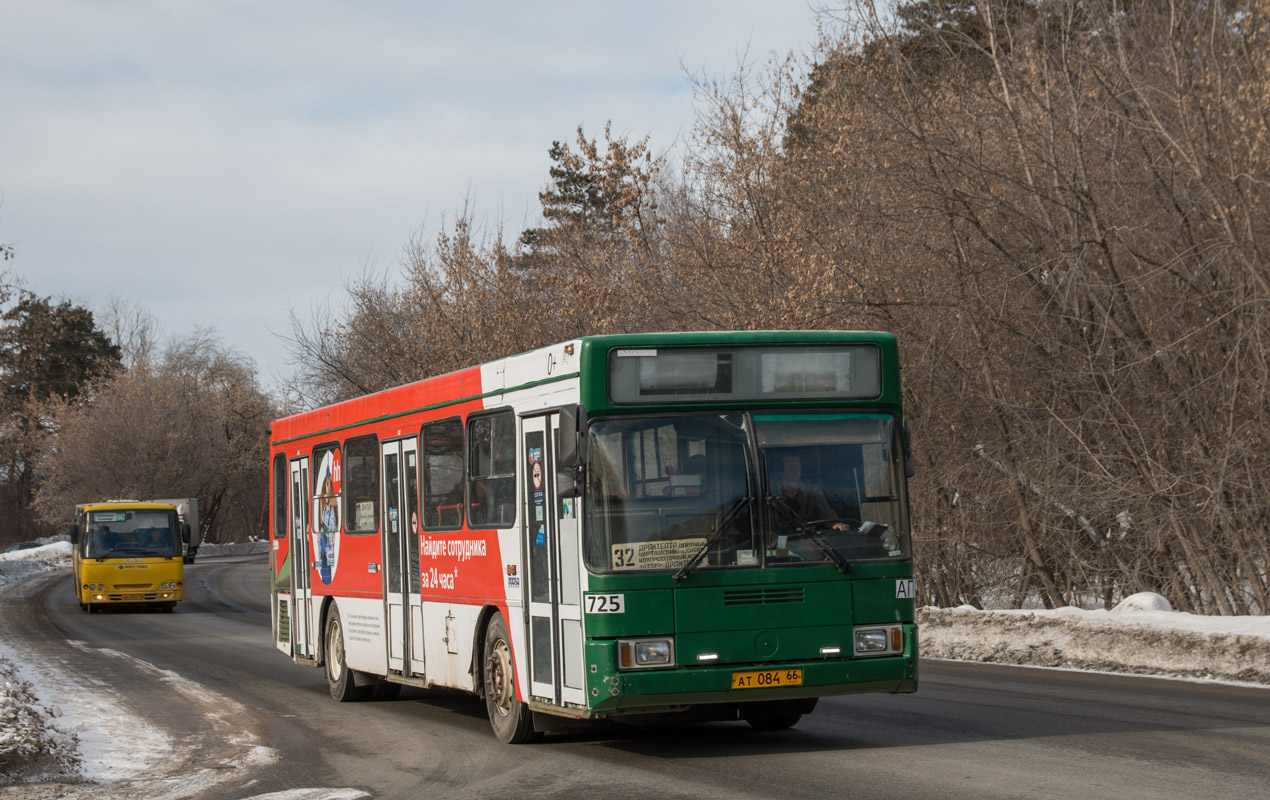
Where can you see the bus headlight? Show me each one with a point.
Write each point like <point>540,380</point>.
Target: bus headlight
<point>879,641</point>
<point>641,653</point>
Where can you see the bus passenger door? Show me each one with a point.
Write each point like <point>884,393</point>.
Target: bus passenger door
<point>400,526</point>
<point>551,557</point>
<point>301,560</point>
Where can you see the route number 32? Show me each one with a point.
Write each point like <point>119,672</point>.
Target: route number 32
<point>605,603</point>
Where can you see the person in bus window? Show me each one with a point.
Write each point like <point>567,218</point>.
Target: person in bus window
<point>805,501</point>
<point>101,540</point>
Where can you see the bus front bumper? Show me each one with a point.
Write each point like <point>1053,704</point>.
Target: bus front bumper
<point>640,691</point>
<point>163,596</point>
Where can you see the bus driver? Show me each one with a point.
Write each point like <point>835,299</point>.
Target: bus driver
<point>805,501</point>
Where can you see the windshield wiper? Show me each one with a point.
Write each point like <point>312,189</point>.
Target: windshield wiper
<point>715,535</point>
<point>811,533</point>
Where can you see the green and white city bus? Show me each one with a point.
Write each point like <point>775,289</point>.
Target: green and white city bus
<point>633,527</point>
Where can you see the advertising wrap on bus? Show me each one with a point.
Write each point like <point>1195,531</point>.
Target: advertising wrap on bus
<point>639,527</point>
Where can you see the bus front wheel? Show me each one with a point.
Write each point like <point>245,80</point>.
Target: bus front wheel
<point>338,676</point>
<point>773,722</point>
<point>511,719</point>
<point>777,715</point>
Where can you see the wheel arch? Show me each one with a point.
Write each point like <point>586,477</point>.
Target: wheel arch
<point>319,648</point>
<point>477,669</point>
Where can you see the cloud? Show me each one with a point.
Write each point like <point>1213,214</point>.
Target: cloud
<point>222,161</point>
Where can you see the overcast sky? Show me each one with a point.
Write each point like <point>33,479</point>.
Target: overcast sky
<point>224,161</point>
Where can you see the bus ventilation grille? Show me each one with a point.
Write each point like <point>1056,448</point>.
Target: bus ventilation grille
<point>284,622</point>
<point>761,597</point>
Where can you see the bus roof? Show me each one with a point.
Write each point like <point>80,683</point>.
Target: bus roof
<point>112,504</point>
<point>464,389</point>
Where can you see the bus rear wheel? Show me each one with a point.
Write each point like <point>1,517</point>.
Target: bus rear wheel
<point>511,719</point>
<point>338,676</point>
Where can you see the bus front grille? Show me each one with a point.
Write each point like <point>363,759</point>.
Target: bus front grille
<point>762,597</point>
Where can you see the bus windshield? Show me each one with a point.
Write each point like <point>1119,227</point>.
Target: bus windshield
<point>748,490</point>
<point>133,532</point>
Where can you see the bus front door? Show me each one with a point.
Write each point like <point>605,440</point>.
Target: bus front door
<point>551,553</point>
<point>301,558</point>
<point>400,526</point>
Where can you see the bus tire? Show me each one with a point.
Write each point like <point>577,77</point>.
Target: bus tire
<point>338,676</point>
<point>167,608</point>
<point>777,721</point>
<point>512,721</point>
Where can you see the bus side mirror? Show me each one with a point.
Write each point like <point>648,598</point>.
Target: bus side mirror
<point>74,534</point>
<point>906,439</point>
<point>572,455</point>
<point>572,437</point>
<point>185,532</point>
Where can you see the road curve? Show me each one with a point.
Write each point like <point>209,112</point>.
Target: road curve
<point>240,721</point>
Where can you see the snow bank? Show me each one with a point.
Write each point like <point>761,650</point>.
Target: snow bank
<point>1141,636</point>
<point>32,745</point>
<point>23,563</point>
<point>232,549</point>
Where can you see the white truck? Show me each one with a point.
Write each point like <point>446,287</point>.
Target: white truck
<point>191,535</point>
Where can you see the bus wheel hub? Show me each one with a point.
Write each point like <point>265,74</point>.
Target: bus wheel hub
<point>498,671</point>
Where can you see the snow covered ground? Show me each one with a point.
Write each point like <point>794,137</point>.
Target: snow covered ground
<point>1142,635</point>
<point>233,549</point>
<point>44,744</point>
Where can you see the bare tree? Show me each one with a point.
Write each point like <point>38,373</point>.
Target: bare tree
<point>1058,206</point>
<point>194,423</point>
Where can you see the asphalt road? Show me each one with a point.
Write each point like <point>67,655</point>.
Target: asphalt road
<point>244,721</point>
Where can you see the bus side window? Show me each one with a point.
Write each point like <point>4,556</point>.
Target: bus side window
<point>279,496</point>
<point>443,474</point>
<point>492,469</point>
<point>361,481</point>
